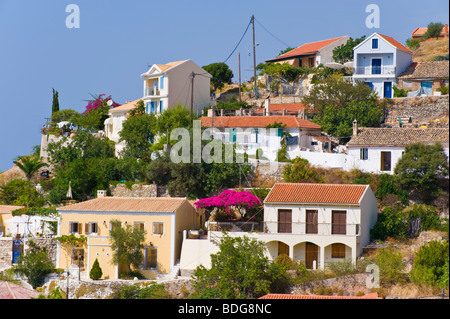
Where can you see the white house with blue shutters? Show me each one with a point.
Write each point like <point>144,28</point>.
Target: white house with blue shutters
<point>378,61</point>
<point>166,85</point>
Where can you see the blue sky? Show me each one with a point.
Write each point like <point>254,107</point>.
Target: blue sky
<point>118,39</point>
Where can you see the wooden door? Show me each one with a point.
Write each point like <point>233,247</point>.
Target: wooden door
<point>311,254</point>
<point>338,222</point>
<point>311,222</point>
<point>285,221</point>
<point>283,249</point>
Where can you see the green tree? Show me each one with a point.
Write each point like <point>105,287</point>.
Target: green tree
<point>221,74</point>
<point>433,30</point>
<point>390,223</point>
<point>431,264</point>
<point>35,265</point>
<point>421,168</point>
<point>96,271</point>
<point>299,171</point>
<point>239,270</point>
<point>127,244</point>
<point>344,52</point>
<point>55,102</point>
<point>138,133</point>
<point>390,263</point>
<point>20,192</point>
<point>30,165</point>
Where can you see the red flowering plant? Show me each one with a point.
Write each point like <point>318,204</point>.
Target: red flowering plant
<point>97,111</point>
<point>227,200</point>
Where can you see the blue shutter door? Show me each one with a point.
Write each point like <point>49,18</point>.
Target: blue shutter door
<point>152,107</point>
<point>161,107</point>
<point>388,90</point>
<point>161,82</point>
<point>376,66</point>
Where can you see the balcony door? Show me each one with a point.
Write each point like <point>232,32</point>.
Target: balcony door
<point>285,220</point>
<point>376,66</point>
<point>311,221</point>
<point>338,222</point>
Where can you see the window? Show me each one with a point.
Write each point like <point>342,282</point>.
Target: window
<point>314,143</point>
<point>91,228</point>
<point>161,82</point>
<point>147,107</point>
<point>158,228</point>
<point>285,221</point>
<point>233,135</point>
<point>74,228</point>
<point>150,257</point>
<point>374,43</point>
<point>311,62</point>
<point>337,251</point>
<point>139,225</point>
<point>311,222</point>
<point>385,161</point>
<point>338,222</point>
<point>152,107</point>
<point>376,66</point>
<point>161,107</point>
<point>363,153</point>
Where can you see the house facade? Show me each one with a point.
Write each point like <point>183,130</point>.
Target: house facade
<point>311,54</point>
<point>166,85</point>
<point>317,224</point>
<point>377,150</point>
<point>424,78</point>
<point>378,61</point>
<point>250,133</point>
<point>419,33</point>
<point>163,219</point>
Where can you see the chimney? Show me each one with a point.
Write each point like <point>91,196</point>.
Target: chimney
<point>267,106</point>
<point>355,127</point>
<point>101,193</point>
<point>283,112</point>
<point>301,114</point>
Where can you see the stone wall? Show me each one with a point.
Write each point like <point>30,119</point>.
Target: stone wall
<point>138,190</point>
<point>6,249</point>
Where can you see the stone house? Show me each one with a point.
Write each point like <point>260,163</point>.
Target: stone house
<point>424,78</point>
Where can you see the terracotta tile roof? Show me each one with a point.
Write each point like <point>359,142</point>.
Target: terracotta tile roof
<point>373,295</point>
<point>316,193</point>
<point>125,107</point>
<point>426,70</point>
<point>395,43</point>
<point>257,121</point>
<point>420,32</point>
<point>9,208</point>
<point>127,204</point>
<point>170,65</point>
<point>306,49</point>
<point>292,107</point>
<point>398,136</point>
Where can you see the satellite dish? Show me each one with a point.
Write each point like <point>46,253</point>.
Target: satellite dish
<point>154,156</point>
<point>110,102</point>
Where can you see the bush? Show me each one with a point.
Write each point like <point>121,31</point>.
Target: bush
<point>422,217</point>
<point>431,265</point>
<point>391,266</point>
<point>390,223</point>
<point>96,272</point>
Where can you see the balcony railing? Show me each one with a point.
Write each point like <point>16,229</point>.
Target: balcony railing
<point>151,91</point>
<point>303,228</point>
<point>374,70</point>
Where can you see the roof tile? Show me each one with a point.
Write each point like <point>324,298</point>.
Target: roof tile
<point>257,121</point>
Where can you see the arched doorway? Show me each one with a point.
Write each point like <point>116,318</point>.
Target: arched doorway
<point>311,255</point>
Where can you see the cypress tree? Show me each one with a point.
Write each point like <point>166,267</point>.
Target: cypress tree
<point>96,272</point>
<point>55,103</point>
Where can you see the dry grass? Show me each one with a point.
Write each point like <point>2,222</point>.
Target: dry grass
<point>430,49</point>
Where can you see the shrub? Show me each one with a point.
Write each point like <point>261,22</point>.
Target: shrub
<point>431,264</point>
<point>391,266</point>
<point>422,217</point>
<point>96,272</point>
<point>390,223</point>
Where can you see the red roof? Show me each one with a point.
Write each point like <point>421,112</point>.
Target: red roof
<point>9,290</point>
<point>306,49</point>
<point>395,43</point>
<point>257,121</point>
<point>316,193</point>
<point>291,107</point>
<point>373,295</point>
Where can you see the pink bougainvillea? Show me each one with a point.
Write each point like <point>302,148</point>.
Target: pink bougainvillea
<point>229,198</point>
<point>99,103</point>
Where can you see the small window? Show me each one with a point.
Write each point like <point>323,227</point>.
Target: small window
<point>74,228</point>
<point>337,251</point>
<point>374,43</point>
<point>91,228</point>
<point>139,225</point>
<point>363,153</point>
<point>314,143</point>
<point>158,228</point>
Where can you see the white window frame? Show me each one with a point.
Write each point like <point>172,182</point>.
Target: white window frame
<point>157,224</point>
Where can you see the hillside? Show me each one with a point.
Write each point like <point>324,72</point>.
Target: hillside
<point>430,49</point>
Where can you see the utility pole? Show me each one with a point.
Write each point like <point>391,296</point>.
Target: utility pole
<point>192,94</point>
<point>254,54</point>
<point>239,62</point>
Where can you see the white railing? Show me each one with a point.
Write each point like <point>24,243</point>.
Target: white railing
<point>300,228</point>
<point>151,91</point>
<point>374,70</point>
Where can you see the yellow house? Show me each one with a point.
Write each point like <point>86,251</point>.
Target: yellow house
<point>6,214</point>
<point>163,219</point>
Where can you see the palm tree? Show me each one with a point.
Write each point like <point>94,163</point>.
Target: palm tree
<point>29,165</point>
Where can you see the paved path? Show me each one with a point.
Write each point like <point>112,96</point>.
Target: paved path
<point>9,290</point>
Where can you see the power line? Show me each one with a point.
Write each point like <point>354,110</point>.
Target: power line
<point>246,29</point>
<point>275,37</point>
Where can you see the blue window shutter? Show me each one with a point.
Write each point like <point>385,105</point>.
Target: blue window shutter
<point>161,82</point>
<point>161,107</point>
<point>374,43</point>
<point>152,107</point>
<point>146,107</point>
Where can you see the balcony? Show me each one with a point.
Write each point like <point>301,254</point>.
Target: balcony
<point>317,229</point>
<point>152,91</point>
<point>374,70</point>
